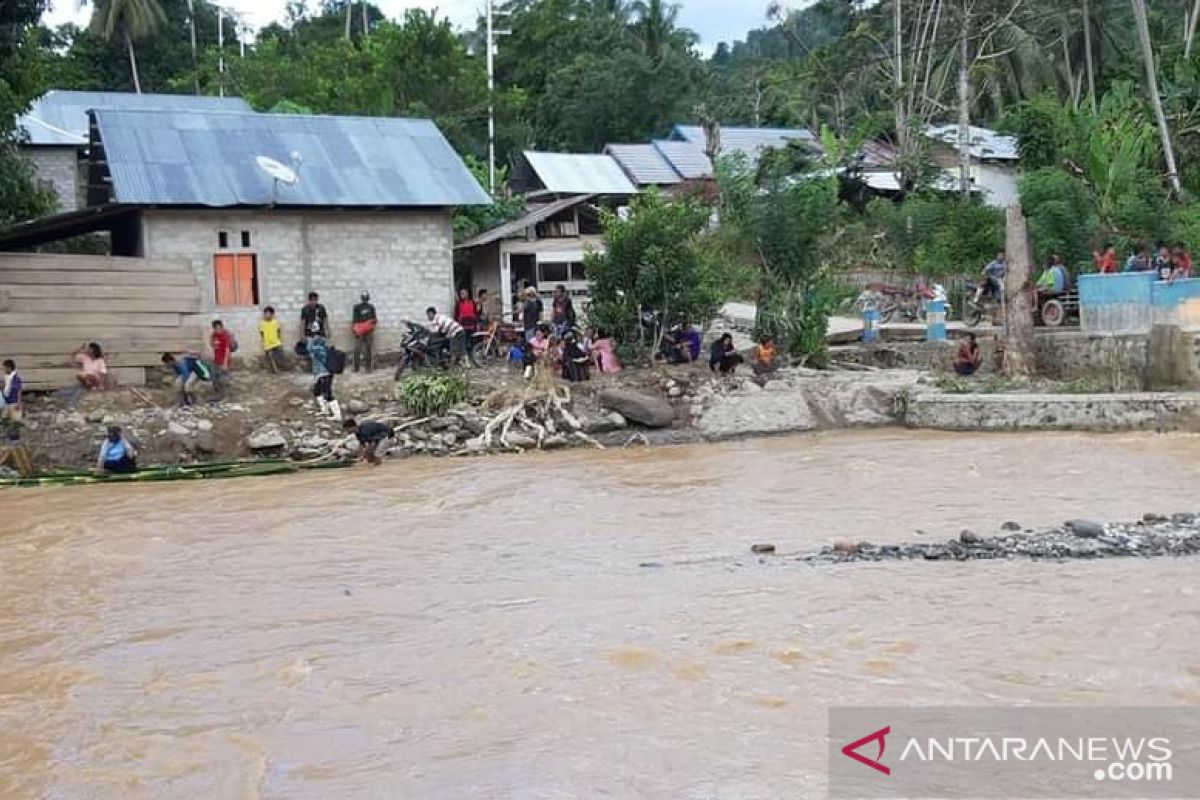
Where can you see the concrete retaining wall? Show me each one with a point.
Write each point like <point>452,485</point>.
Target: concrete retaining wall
<point>1023,412</point>
<point>1135,302</point>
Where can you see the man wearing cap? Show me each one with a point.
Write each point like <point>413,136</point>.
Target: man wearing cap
<point>364,333</point>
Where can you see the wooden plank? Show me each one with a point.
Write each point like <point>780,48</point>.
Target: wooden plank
<point>112,305</point>
<point>71,263</point>
<point>18,319</point>
<point>22,291</point>
<point>93,278</point>
<point>57,378</point>
<point>169,340</point>
<point>114,359</point>
<point>70,337</point>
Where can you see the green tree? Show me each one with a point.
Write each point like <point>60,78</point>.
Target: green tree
<point>1062,214</point>
<point>129,20</point>
<point>21,196</point>
<point>656,258</point>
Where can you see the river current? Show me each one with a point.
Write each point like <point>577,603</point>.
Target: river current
<point>494,628</point>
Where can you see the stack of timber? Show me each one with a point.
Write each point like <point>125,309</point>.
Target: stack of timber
<point>133,307</point>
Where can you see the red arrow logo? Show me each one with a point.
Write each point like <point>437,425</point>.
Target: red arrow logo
<point>878,736</point>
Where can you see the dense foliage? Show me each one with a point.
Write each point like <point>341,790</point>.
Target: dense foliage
<point>657,258</point>
<point>430,395</point>
<point>20,198</point>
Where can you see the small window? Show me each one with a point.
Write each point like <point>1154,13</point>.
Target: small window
<point>223,239</point>
<point>236,279</point>
<point>578,271</point>
<point>245,238</point>
<point>553,272</point>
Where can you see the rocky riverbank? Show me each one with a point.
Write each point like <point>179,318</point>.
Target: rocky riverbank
<point>1154,535</point>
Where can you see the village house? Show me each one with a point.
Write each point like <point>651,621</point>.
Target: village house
<point>53,134</point>
<point>257,210</point>
<point>993,161</point>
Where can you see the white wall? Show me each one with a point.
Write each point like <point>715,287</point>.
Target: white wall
<point>404,259</point>
<point>58,167</point>
<point>998,182</point>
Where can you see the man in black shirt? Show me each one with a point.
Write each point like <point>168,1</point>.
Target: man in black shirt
<point>364,333</point>
<point>530,313</point>
<point>314,319</point>
<point>370,435</point>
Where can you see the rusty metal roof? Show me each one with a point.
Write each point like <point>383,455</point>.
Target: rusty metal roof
<point>209,159</point>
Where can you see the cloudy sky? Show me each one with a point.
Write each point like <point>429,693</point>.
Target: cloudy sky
<point>714,20</point>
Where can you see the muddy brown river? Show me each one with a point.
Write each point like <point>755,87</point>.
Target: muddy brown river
<point>482,628</point>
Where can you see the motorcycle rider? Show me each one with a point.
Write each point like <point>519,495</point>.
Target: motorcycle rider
<point>451,333</point>
<point>993,279</point>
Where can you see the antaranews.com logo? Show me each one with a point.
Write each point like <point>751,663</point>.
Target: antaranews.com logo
<point>1015,752</point>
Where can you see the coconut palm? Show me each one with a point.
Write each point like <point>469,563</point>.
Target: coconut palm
<point>655,25</point>
<point>132,20</point>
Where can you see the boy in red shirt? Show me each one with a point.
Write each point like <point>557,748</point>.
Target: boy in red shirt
<point>222,347</point>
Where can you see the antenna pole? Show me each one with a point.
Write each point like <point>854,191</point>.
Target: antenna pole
<point>221,48</point>
<point>491,73</point>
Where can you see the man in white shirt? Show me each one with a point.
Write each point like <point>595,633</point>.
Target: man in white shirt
<point>450,330</point>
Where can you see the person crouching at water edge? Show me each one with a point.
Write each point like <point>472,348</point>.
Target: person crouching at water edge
<point>117,455</point>
<point>724,357</point>
<point>370,435</point>
<point>188,370</point>
<point>319,353</point>
<point>967,360</point>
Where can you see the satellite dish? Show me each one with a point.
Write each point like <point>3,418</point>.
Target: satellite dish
<point>281,173</point>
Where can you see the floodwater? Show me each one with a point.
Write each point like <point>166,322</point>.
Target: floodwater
<point>484,628</point>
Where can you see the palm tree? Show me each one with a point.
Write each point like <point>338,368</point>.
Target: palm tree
<point>195,58</point>
<point>133,20</point>
<point>655,24</point>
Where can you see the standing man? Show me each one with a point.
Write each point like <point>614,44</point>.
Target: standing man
<point>530,313</point>
<point>222,347</point>
<point>363,328</point>
<point>562,315</point>
<point>450,331</point>
<point>314,319</point>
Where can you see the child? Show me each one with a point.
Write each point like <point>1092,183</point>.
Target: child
<point>271,332</point>
<point>222,347</point>
<point>188,370</point>
<point>93,369</point>
<point>12,390</point>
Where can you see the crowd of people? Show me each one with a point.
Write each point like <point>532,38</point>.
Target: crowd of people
<point>1168,263</point>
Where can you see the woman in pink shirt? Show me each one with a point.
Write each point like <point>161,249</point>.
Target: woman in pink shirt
<point>604,353</point>
<point>93,369</point>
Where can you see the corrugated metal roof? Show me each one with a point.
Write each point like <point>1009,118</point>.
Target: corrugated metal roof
<point>644,164</point>
<point>688,159</point>
<point>985,144</point>
<point>750,142</point>
<point>61,118</point>
<point>182,158</point>
<point>517,227</point>
<point>573,173</point>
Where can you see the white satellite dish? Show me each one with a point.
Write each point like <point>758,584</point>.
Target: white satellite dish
<point>281,173</point>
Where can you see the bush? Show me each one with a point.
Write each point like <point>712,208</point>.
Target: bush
<point>431,395</point>
<point>1061,213</point>
<point>936,234</point>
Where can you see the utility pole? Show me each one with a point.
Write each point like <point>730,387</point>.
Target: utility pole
<point>221,49</point>
<point>491,34</point>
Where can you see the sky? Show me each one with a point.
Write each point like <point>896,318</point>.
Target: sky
<point>714,20</point>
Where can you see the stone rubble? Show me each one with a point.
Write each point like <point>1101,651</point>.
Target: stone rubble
<point>1154,535</point>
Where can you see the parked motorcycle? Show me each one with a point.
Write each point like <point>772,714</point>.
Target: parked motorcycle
<point>421,348</point>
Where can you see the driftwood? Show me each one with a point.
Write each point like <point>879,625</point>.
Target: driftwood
<point>540,411</point>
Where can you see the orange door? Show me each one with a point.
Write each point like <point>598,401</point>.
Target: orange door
<point>225,272</point>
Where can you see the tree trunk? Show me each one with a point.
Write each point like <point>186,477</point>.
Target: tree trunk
<point>898,55</point>
<point>1143,31</point>
<point>133,67</point>
<point>195,58</point>
<point>964,108</point>
<point>349,17</point>
<point>1190,39</point>
<point>1019,356</point>
<point>366,20</point>
<point>1087,51</point>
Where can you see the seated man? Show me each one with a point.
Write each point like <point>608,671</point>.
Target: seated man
<point>723,357</point>
<point>1054,279</point>
<point>117,455</point>
<point>370,435</point>
<point>967,360</point>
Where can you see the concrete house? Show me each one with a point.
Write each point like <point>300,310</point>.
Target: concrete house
<point>53,134</point>
<point>371,210</point>
<point>994,161</point>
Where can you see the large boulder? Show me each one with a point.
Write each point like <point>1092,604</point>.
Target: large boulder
<point>593,422</point>
<point>266,439</point>
<point>653,412</point>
